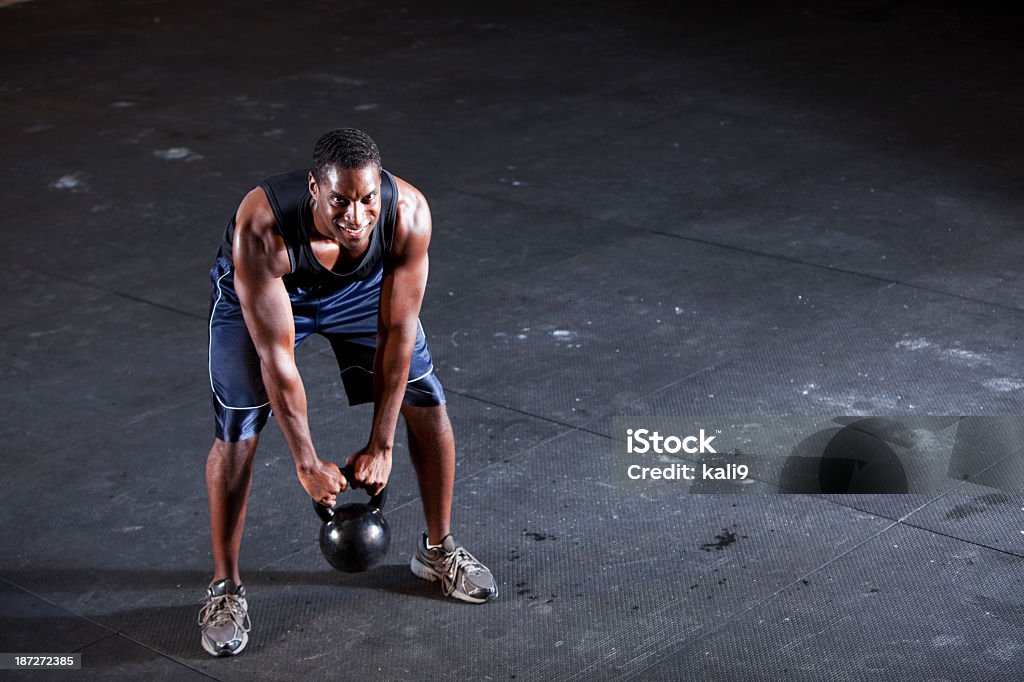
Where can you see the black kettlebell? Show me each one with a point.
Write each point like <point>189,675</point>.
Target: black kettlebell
<point>354,537</point>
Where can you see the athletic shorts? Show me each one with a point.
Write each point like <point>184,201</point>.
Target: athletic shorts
<point>347,318</point>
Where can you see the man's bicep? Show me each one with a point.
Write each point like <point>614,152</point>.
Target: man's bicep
<point>405,276</point>
<point>267,311</point>
<point>260,260</point>
<point>402,290</point>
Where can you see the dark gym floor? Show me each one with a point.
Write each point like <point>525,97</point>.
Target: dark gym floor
<point>803,208</point>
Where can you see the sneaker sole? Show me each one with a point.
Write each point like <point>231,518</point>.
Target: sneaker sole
<point>421,570</point>
<point>213,652</point>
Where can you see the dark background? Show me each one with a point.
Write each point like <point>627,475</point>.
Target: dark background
<point>723,209</point>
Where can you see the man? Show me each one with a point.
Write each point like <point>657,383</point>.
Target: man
<point>339,250</point>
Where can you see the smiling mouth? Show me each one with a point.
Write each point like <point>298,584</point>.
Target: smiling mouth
<point>352,232</point>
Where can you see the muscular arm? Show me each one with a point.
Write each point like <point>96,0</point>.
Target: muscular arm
<point>260,261</point>
<point>404,281</point>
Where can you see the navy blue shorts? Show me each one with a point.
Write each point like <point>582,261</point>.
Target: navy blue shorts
<point>347,318</point>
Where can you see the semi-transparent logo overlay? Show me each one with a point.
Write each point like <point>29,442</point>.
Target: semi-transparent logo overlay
<point>831,455</point>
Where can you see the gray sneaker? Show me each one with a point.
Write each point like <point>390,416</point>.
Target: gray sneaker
<point>461,575</point>
<point>224,619</point>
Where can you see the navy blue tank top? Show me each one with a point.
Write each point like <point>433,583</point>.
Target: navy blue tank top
<point>288,194</point>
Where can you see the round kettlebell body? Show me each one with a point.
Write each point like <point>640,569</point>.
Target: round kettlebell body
<point>356,538</point>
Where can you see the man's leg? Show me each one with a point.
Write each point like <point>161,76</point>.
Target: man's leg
<point>228,479</point>
<point>241,408</point>
<point>438,556</point>
<point>224,619</point>
<point>432,450</point>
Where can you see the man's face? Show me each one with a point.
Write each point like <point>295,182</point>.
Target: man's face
<point>347,204</point>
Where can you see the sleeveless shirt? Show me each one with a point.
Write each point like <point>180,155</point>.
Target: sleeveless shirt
<point>288,195</point>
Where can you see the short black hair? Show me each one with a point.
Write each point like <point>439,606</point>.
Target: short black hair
<point>344,148</point>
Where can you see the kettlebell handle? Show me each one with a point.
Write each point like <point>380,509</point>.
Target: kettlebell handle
<point>376,501</point>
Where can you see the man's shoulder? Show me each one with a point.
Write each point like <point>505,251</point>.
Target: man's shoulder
<point>256,233</point>
<point>254,213</point>
<point>413,218</point>
<point>406,190</point>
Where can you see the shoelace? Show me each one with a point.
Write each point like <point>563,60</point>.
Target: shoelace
<point>459,559</point>
<point>220,610</point>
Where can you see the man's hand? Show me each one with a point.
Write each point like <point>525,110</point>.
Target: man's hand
<point>372,468</point>
<point>323,481</point>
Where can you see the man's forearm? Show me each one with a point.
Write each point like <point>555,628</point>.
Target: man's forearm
<point>390,376</point>
<point>288,400</point>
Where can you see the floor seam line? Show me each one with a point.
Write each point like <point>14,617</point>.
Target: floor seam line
<point>573,427</point>
<point>764,600</point>
<point>717,628</point>
<point>829,268</point>
<point>112,632</point>
<point>112,292</point>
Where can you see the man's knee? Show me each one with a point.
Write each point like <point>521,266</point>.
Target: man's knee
<point>432,416</point>
<point>427,425</point>
<point>236,452</point>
